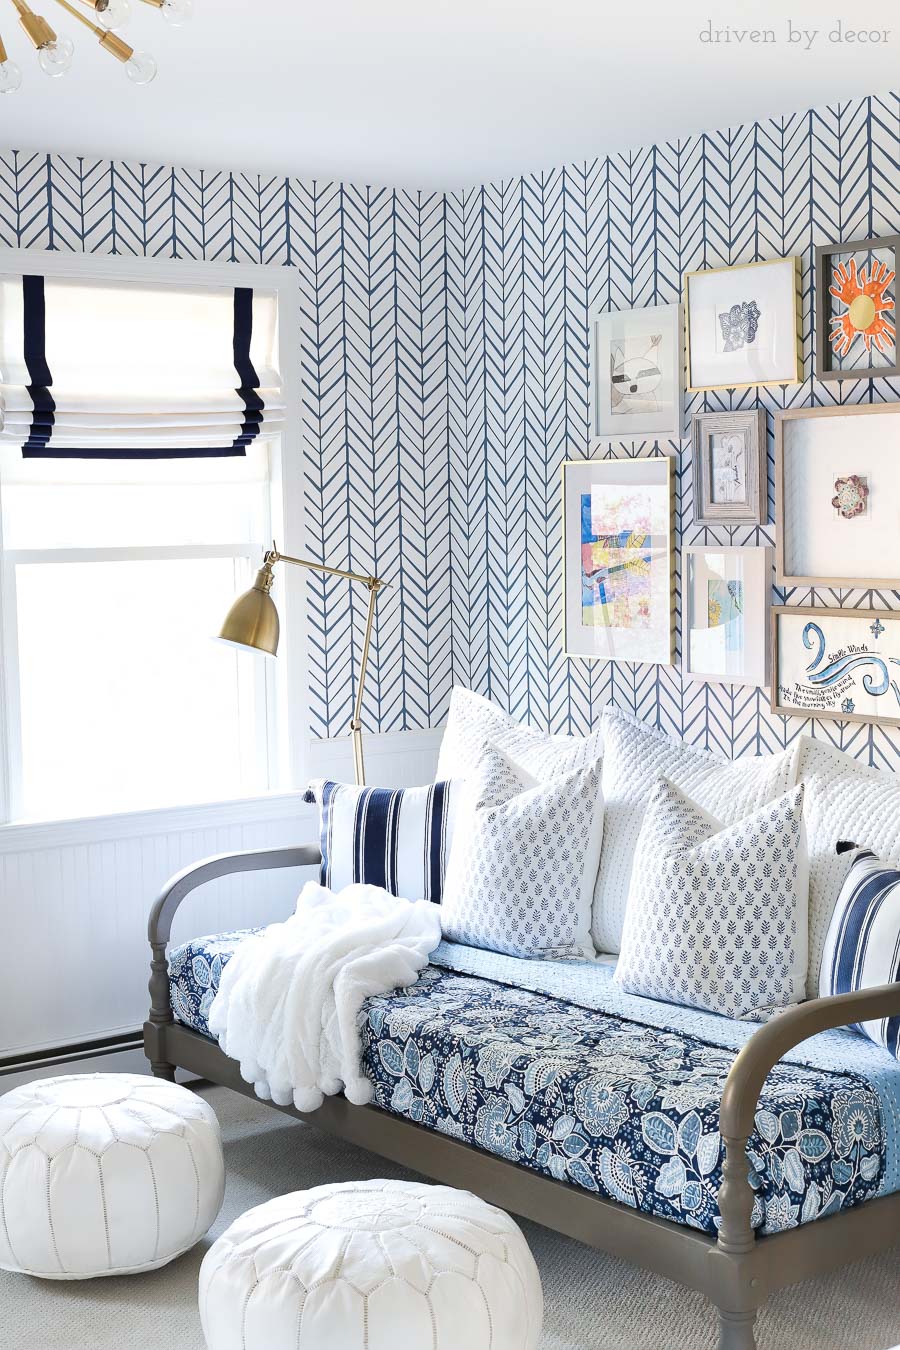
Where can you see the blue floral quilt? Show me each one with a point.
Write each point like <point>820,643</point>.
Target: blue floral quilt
<point>618,1107</point>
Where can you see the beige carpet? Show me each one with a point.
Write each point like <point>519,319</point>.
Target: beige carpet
<point>592,1302</point>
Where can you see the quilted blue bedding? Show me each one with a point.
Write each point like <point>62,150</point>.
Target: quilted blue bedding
<point>618,1095</point>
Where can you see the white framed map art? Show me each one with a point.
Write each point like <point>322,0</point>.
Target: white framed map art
<point>726,592</point>
<point>836,663</point>
<point>637,356</point>
<point>619,559</point>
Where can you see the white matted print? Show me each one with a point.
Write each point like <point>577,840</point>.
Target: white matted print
<point>726,630</point>
<point>837,487</point>
<point>636,365</point>
<point>618,559</point>
<point>743,325</point>
<point>836,663</point>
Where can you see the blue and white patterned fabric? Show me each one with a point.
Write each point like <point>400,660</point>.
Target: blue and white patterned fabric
<point>396,838</point>
<point>623,1106</point>
<point>862,948</point>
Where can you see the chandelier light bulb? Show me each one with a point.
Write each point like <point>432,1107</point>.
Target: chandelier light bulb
<point>141,68</point>
<point>10,77</point>
<point>177,12</point>
<point>115,16</point>
<point>55,57</point>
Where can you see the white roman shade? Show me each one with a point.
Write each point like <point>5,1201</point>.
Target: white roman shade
<point>105,370</point>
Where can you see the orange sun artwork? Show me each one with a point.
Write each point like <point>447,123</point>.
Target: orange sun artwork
<point>865,294</point>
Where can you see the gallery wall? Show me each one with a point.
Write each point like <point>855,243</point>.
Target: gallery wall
<point>445,380</point>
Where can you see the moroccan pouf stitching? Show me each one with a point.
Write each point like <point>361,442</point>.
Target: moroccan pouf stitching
<point>105,1174</point>
<point>371,1265</point>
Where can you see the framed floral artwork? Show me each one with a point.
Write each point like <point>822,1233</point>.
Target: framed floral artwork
<point>729,468</point>
<point>636,366</point>
<point>743,325</point>
<point>836,663</point>
<point>619,559</point>
<point>856,309</point>
<point>837,496</point>
<point>726,614</point>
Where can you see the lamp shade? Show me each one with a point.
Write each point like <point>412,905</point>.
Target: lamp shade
<point>252,622</point>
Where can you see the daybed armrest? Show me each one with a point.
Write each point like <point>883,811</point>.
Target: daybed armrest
<point>749,1071</point>
<point>159,928</point>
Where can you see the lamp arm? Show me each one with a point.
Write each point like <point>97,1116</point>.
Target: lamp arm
<point>374,583</point>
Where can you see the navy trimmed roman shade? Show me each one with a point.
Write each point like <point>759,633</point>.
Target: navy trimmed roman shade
<point>94,369</point>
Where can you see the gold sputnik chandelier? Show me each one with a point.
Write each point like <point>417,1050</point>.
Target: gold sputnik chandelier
<point>106,18</point>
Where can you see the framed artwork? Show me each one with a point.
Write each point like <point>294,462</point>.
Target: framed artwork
<point>726,614</point>
<point>838,663</point>
<point>729,464</point>
<point>856,309</point>
<point>619,559</point>
<point>837,496</point>
<point>743,325</point>
<point>636,364</point>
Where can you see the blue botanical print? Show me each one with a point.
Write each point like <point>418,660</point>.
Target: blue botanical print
<point>624,1110</point>
<point>630,1112</point>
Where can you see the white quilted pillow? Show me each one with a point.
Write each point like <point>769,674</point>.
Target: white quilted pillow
<point>844,800</point>
<point>475,721</point>
<point>634,756</point>
<point>717,916</point>
<point>521,873</point>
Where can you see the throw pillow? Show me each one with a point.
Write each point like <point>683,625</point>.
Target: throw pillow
<point>844,800</point>
<point>717,914</point>
<point>396,838</point>
<point>521,875</point>
<point>634,756</point>
<point>473,722</point>
<point>862,945</point>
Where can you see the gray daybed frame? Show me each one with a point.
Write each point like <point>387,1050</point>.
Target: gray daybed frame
<point>737,1271</point>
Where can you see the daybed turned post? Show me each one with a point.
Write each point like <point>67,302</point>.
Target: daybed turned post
<point>159,930</point>
<point>736,1240</point>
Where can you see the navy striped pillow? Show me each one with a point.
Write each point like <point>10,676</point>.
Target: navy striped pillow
<point>862,949</point>
<point>396,838</point>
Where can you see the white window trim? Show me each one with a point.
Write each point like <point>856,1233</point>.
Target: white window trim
<point>288,710</point>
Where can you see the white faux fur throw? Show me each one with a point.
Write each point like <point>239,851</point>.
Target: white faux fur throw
<point>288,1000</point>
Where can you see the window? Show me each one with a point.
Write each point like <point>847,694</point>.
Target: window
<point>116,570</point>
<point>116,697</point>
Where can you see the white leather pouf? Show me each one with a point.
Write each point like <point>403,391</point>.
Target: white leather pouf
<point>105,1174</point>
<point>371,1265</point>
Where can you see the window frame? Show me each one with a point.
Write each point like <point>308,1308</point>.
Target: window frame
<point>285,715</point>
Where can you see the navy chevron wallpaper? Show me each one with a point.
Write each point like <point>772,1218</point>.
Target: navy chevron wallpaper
<point>445,378</point>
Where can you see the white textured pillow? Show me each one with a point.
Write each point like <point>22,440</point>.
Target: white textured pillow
<point>474,722</point>
<point>844,800</point>
<point>634,756</point>
<point>521,873</point>
<point>717,916</point>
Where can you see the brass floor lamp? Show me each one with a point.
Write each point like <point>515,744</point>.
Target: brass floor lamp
<point>252,623</point>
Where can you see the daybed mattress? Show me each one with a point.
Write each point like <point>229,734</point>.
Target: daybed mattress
<point>548,1065</point>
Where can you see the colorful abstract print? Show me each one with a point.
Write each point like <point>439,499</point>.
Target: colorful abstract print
<point>620,1109</point>
<point>617,1108</point>
<point>616,558</point>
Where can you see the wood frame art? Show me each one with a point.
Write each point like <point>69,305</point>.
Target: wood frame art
<point>756,509</point>
<point>757,589</point>
<point>737,1270</point>
<point>795,375</point>
<point>867,618</point>
<point>824,253</point>
<point>619,470</point>
<point>783,419</point>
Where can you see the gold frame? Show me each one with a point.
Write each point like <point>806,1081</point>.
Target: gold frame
<point>820,611</point>
<point>669,462</point>
<point>798,335</point>
<point>795,415</point>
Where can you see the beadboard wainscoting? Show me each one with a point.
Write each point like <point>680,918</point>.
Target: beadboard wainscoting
<point>75,895</point>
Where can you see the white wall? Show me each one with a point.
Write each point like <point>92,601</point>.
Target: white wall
<point>74,896</point>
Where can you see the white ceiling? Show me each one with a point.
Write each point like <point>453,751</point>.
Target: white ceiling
<point>432,93</point>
